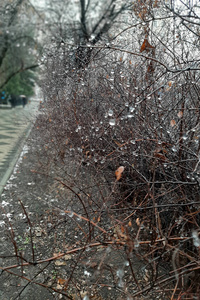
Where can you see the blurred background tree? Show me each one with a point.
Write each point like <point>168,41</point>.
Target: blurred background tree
<point>22,83</point>
<point>18,47</point>
<point>81,23</point>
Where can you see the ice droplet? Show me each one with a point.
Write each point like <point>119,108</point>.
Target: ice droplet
<point>2,223</point>
<point>130,116</point>
<point>174,149</point>
<point>62,213</point>
<point>87,274</point>
<point>120,273</point>
<point>184,137</point>
<point>110,112</point>
<point>196,239</point>
<point>4,203</point>
<point>131,109</point>
<point>78,128</point>
<point>121,283</point>
<point>70,214</point>
<point>136,244</point>
<point>126,263</point>
<point>112,122</point>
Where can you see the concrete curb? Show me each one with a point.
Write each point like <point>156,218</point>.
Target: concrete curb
<point>22,141</point>
<point>7,107</point>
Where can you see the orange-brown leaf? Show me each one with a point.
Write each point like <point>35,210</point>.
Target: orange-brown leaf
<point>160,156</point>
<point>118,143</point>
<point>180,114</point>
<point>172,123</point>
<point>61,281</point>
<point>118,172</point>
<point>138,222</point>
<point>87,153</point>
<point>130,223</point>
<point>146,46</point>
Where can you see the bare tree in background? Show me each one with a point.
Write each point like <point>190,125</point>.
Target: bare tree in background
<point>17,39</point>
<point>85,23</point>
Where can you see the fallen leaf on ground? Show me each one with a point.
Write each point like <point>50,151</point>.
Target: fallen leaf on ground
<point>60,263</point>
<point>67,257</point>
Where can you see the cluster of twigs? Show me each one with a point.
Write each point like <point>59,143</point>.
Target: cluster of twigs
<point>108,115</point>
<point>124,152</point>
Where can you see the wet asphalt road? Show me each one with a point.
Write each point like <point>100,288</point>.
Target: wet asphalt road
<point>15,125</point>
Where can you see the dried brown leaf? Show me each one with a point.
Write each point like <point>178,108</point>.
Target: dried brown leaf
<point>180,114</point>
<point>118,172</point>
<point>172,123</point>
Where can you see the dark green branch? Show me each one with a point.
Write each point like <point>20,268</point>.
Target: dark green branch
<point>16,72</point>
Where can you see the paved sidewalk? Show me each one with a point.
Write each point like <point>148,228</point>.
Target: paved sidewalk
<point>15,125</point>
<point>30,188</point>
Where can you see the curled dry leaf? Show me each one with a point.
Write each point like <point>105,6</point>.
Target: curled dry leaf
<point>138,222</point>
<point>180,114</point>
<point>61,281</point>
<point>130,223</point>
<point>172,123</point>
<point>118,172</point>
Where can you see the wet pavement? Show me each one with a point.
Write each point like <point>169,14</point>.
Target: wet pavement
<point>15,125</point>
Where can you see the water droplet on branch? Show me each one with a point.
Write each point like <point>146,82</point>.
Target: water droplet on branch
<point>112,122</point>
